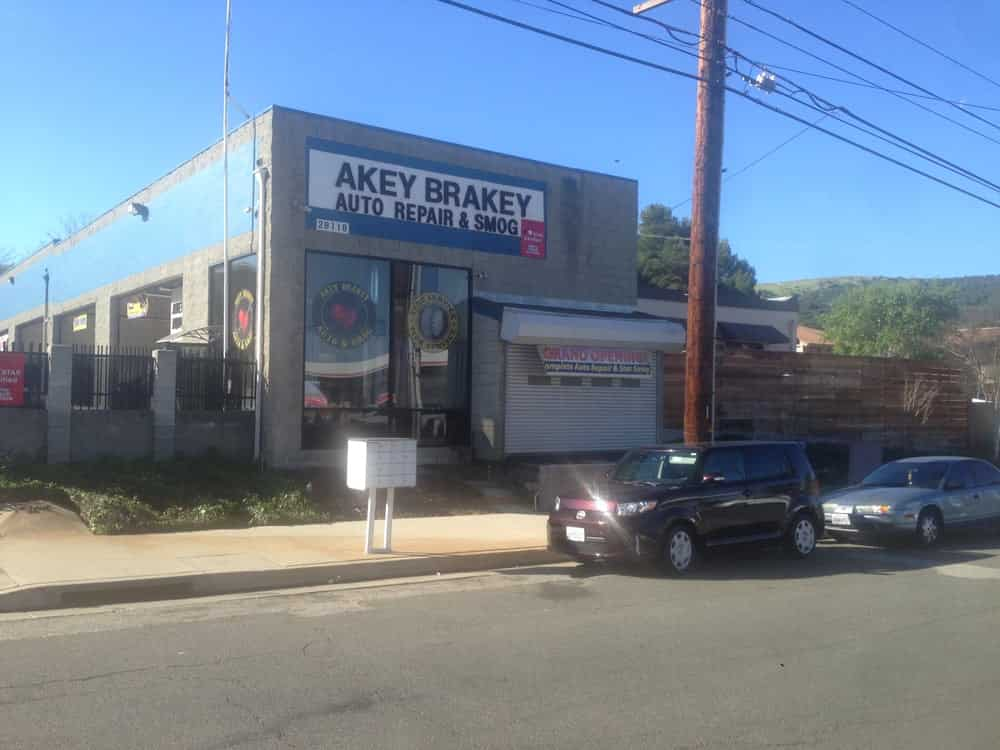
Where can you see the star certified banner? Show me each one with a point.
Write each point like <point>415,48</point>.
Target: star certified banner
<point>11,379</point>
<point>354,190</point>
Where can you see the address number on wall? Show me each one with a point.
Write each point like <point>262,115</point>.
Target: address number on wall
<point>338,227</point>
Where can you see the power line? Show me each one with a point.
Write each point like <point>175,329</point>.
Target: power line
<point>869,128</point>
<point>658,40</point>
<point>858,76</point>
<point>759,159</point>
<point>866,61</point>
<point>819,103</point>
<point>546,9</point>
<point>737,92</point>
<point>674,31</point>
<point>911,94</point>
<point>922,43</point>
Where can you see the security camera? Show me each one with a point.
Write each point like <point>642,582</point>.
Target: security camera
<point>138,209</point>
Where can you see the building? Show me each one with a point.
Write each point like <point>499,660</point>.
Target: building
<point>481,303</point>
<point>742,320</point>
<point>813,341</point>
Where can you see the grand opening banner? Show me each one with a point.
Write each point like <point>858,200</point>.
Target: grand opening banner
<point>585,360</point>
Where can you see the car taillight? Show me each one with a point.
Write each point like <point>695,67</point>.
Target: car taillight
<point>814,487</point>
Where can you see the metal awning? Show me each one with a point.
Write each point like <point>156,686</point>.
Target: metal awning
<point>193,336</point>
<point>750,333</point>
<point>532,326</point>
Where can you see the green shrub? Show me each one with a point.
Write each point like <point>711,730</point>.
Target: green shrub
<point>201,516</point>
<point>113,514</point>
<point>286,507</point>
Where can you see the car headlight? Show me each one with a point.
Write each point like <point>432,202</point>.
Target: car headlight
<point>631,509</point>
<point>873,510</point>
<point>558,502</point>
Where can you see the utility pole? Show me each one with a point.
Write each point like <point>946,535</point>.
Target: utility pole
<point>699,393</point>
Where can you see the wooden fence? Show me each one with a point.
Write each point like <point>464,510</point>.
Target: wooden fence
<point>907,406</point>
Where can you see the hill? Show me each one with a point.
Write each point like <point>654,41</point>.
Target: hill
<point>978,297</point>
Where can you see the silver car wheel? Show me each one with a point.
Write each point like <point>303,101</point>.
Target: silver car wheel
<point>929,529</point>
<point>681,550</point>
<point>804,536</point>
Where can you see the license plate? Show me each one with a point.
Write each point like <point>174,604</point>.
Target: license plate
<point>576,534</point>
<point>840,519</point>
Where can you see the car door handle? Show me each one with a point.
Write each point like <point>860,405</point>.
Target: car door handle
<point>747,494</point>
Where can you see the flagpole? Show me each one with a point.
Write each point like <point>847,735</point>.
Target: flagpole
<point>225,190</point>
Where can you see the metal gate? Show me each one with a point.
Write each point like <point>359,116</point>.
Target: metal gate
<point>546,414</point>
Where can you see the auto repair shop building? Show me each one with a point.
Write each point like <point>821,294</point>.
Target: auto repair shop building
<point>411,287</point>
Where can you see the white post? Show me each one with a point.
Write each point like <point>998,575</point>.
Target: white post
<point>370,525</point>
<point>258,349</point>
<point>387,534</point>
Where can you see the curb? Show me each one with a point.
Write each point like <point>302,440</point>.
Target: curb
<point>128,590</point>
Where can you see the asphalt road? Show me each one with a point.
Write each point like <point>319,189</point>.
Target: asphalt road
<point>855,648</point>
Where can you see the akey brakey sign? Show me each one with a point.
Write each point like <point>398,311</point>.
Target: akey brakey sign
<point>353,190</point>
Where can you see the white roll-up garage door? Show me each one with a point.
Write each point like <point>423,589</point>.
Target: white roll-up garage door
<point>545,414</point>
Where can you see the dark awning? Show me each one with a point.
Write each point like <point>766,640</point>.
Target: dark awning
<point>749,333</point>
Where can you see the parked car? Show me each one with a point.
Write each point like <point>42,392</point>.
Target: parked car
<point>916,496</point>
<point>667,502</point>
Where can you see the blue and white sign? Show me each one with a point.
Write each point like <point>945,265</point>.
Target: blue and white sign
<point>353,190</point>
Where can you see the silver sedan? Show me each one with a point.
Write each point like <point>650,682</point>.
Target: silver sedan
<point>918,496</point>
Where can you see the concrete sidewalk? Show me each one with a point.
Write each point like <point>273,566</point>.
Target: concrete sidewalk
<point>49,559</point>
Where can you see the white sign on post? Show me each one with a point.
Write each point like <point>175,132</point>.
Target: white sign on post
<point>381,463</point>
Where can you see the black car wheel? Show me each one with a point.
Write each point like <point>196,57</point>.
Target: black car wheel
<point>929,527</point>
<point>679,550</point>
<point>802,535</point>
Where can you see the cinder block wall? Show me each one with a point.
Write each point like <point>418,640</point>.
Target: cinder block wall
<point>23,434</point>
<point>591,224</point>
<point>118,253</point>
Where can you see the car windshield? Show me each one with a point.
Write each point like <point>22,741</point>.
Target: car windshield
<point>659,467</point>
<point>927,475</point>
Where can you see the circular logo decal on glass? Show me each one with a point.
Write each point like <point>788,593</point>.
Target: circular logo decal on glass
<point>345,314</point>
<point>433,322</point>
<point>243,319</point>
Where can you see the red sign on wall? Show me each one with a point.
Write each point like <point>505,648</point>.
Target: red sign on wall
<point>532,238</point>
<point>11,379</point>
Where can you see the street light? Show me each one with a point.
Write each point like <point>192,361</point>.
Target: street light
<point>647,5</point>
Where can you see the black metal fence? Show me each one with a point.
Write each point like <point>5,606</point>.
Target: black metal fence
<point>105,378</point>
<point>36,373</point>
<point>210,383</point>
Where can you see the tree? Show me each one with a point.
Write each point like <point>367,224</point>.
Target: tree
<point>978,349</point>
<point>735,271</point>
<point>664,253</point>
<point>891,320</point>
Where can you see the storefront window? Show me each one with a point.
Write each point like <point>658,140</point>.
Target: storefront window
<point>386,351</point>
<point>242,304</point>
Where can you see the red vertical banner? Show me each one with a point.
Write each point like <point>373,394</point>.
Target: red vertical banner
<point>11,379</point>
<point>532,238</point>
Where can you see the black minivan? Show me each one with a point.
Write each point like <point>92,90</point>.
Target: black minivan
<point>666,502</point>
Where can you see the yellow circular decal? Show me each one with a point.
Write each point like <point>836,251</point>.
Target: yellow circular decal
<point>433,322</point>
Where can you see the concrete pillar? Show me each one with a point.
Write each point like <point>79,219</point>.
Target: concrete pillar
<point>106,321</point>
<point>164,403</point>
<point>59,403</point>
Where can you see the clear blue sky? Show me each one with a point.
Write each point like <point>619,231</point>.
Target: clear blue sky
<point>101,98</point>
